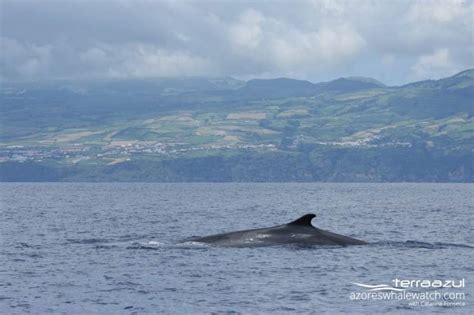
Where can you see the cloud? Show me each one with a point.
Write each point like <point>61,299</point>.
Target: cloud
<point>141,61</point>
<point>246,34</point>
<point>283,48</point>
<point>24,60</point>
<point>438,11</point>
<point>309,39</point>
<point>435,65</point>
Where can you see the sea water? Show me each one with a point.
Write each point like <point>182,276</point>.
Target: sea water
<point>111,248</point>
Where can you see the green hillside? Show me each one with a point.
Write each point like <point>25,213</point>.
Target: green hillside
<point>196,129</point>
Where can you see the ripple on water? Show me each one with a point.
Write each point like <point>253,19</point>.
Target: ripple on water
<point>111,248</point>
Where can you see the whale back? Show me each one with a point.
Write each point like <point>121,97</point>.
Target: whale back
<point>299,231</point>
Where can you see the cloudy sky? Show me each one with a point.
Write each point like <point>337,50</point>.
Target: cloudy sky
<point>393,41</point>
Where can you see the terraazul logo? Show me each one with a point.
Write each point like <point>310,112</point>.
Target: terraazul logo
<point>417,292</point>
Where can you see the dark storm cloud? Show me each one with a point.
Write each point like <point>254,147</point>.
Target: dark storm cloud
<point>394,41</point>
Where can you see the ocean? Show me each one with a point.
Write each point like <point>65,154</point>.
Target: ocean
<point>112,248</point>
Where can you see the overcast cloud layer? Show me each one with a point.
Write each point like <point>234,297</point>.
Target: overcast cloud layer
<point>393,41</point>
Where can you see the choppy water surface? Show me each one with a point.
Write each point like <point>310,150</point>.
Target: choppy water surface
<point>110,248</point>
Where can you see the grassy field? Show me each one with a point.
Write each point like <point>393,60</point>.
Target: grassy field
<point>115,129</point>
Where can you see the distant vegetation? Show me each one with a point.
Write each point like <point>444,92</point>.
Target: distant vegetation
<point>196,129</point>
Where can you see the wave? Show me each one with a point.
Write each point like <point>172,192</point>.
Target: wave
<point>147,245</point>
<point>87,241</point>
<point>192,244</point>
<point>154,244</point>
<point>420,244</point>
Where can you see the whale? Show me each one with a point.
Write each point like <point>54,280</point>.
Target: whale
<point>297,232</point>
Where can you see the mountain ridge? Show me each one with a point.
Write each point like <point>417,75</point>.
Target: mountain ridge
<point>280,129</point>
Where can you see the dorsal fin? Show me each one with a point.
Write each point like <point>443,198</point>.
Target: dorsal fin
<point>304,220</point>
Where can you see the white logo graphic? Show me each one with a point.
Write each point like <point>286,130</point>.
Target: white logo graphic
<point>378,287</point>
<point>417,292</point>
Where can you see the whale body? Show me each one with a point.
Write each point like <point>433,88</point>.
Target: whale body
<point>299,232</point>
